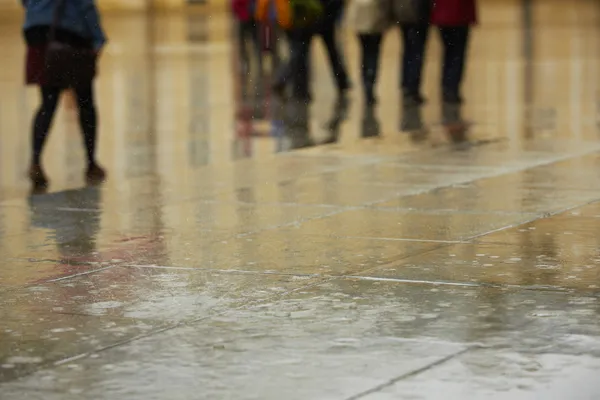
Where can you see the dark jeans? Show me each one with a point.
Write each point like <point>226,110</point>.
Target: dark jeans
<point>44,116</point>
<point>414,38</point>
<point>296,70</point>
<point>248,31</point>
<point>455,41</point>
<point>328,34</point>
<point>370,47</point>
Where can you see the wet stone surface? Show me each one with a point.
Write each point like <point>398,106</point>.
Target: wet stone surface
<point>495,375</point>
<point>420,253</point>
<point>53,322</point>
<point>346,337</point>
<point>547,265</point>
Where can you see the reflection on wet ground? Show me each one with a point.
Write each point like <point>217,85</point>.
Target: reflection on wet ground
<point>251,247</point>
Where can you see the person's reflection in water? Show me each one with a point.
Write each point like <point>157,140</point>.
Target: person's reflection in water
<point>412,123</point>
<point>75,222</point>
<point>455,126</point>
<point>296,131</point>
<point>338,115</point>
<point>370,126</point>
<point>277,106</point>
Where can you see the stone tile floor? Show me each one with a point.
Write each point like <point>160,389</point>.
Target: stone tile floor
<point>424,262</point>
<point>481,284</point>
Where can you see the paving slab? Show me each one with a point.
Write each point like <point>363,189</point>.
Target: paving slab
<point>282,251</point>
<point>538,266</point>
<point>495,198</point>
<point>412,225</point>
<point>336,340</point>
<point>501,375</point>
<point>51,322</point>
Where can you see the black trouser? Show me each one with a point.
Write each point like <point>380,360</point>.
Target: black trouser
<point>328,33</point>
<point>455,41</point>
<point>296,71</point>
<point>370,47</point>
<point>44,116</point>
<point>249,30</point>
<point>414,38</point>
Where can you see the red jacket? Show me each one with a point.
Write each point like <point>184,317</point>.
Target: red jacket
<point>454,12</point>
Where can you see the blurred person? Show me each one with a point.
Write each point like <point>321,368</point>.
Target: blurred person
<point>454,19</point>
<point>318,17</point>
<point>370,127</point>
<point>455,126</point>
<point>338,116</point>
<point>76,26</point>
<point>295,72</point>
<point>247,30</point>
<point>412,123</point>
<point>327,29</point>
<point>299,19</point>
<point>296,125</point>
<point>414,40</point>
<point>369,18</point>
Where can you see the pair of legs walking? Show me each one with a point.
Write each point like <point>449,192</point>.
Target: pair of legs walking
<point>252,31</point>
<point>297,69</point>
<point>42,123</point>
<point>454,39</point>
<point>248,32</point>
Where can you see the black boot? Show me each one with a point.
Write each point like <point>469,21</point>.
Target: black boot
<point>452,97</point>
<point>411,98</point>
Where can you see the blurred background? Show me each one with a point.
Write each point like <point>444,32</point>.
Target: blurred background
<point>170,100</point>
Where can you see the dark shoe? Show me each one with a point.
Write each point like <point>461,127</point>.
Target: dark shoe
<point>95,174</point>
<point>411,99</point>
<point>37,176</point>
<point>452,97</point>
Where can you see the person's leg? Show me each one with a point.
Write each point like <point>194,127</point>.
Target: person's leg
<point>370,45</point>
<point>455,40</point>
<point>301,80</point>
<point>242,49</point>
<point>289,68</point>
<point>41,127</point>
<point>415,42</point>
<point>328,33</point>
<point>88,122</point>
<point>256,33</point>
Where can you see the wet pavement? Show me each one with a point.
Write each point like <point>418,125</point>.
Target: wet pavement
<point>315,252</point>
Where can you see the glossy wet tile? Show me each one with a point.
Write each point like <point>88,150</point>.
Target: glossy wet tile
<point>568,230</point>
<point>309,250</point>
<point>588,211</point>
<point>547,265</point>
<point>247,355</point>
<point>494,198</point>
<point>281,251</point>
<point>340,339</point>
<point>19,272</point>
<point>525,376</point>
<point>394,174</point>
<point>66,318</point>
<point>319,191</point>
<point>409,225</point>
<point>575,174</point>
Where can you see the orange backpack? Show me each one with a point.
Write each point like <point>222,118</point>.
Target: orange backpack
<point>283,12</point>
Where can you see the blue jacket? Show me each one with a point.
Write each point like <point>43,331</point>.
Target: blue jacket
<point>80,17</point>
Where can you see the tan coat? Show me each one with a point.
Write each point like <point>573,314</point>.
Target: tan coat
<point>369,16</point>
